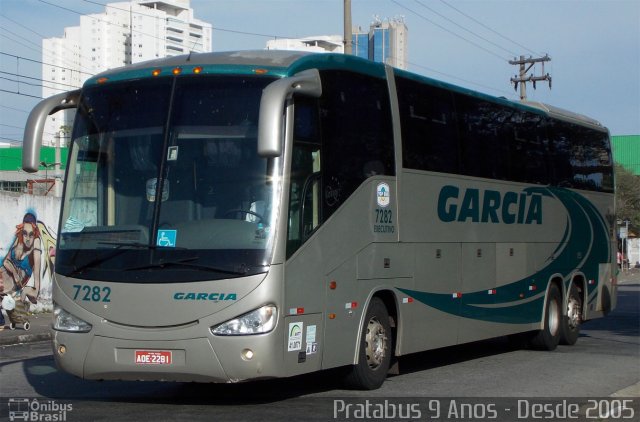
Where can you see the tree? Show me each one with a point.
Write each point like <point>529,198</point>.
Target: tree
<point>66,130</point>
<point>627,195</point>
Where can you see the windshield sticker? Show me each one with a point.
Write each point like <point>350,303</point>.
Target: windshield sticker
<point>152,186</point>
<point>295,336</point>
<point>383,195</point>
<point>172,154</point>
<point>167,238</point>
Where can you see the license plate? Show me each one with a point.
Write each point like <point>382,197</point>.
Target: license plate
<point>153,357</point>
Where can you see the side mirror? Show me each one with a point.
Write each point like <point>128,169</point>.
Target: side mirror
<point>32,140</point>
<point>274,97</point>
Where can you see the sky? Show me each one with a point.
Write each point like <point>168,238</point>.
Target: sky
<point>594,45</point>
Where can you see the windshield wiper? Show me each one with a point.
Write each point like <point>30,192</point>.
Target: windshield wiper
<point>186,262</point>
<point>120,247</point>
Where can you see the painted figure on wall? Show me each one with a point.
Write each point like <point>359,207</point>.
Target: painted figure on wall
<point>26,271</point>
<point>21,267</point>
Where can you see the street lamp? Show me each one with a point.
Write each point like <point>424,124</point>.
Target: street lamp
<point>46,168</point>
<point>46,173</point>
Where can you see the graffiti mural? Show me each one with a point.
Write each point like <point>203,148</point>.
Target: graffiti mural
<point>27,267</point>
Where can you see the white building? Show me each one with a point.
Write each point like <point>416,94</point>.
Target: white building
<point>125,33</point>
<point>317,44</point>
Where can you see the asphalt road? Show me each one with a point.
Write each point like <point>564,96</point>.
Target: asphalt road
<point>488,379</point>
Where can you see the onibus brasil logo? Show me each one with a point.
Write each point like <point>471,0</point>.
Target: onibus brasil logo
<point>23,409</point>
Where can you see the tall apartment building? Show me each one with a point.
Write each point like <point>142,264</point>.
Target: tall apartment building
<point>384,42</point>
<point>125,33</point>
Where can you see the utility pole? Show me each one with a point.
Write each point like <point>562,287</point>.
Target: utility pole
<point>522,78</point>
<point>56,165</point>
<point>347,27</point>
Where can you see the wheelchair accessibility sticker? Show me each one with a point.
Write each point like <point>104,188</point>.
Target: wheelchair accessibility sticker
<point>167,238</point>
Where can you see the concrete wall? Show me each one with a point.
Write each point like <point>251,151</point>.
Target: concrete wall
<point>46,209</point>
<point>634,252</point>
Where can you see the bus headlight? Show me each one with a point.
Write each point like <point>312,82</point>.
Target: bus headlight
<point>260,321</point>
<point>64,321</point>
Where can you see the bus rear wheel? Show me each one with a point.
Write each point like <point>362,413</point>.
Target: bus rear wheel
<point>374,354</point>
<point>571,322</point>
<point>549,337</point>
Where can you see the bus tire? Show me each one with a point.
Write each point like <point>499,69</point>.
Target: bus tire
<point>571,322</point>
<point>374,354</point>
<point>549,337</point>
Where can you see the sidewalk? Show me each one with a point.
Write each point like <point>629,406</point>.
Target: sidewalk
<point>629,276</point>
<point>41,323</point>
<point>40,330</point>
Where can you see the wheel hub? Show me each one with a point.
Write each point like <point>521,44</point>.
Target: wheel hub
<point>375,343</point>
<point>554,317</point>
<point>573,313</point>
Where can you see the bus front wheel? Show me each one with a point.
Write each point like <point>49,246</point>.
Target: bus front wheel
<point>549,337</point>
<point>374,354</point>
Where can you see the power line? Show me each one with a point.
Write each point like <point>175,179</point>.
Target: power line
<point>47,64</point>
<point>11,126</point>
<point>489,28</point>
<point>40,49</point>
<point>22,129</point>
<point>17,41</point>
<point>11,140</point>
<point>14,109</point>
<point>449,31</point>
<point>31,84</point>
<point>104,21</point>
<point>460,79</point>
<point>464,29</point>
<point>213,28</point>
<point>150,35</point>
<point>18,35</point>
<point>448,75</point>
<point>37,79</point>
<point>20,93</point>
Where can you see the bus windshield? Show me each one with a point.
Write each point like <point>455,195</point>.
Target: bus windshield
<point>164,176</point>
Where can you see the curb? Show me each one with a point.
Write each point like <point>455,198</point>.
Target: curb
<point>40,331</point>
<point>24,338</point>
<point>630,391</point>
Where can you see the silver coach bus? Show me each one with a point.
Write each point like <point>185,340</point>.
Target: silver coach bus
<point>249,215</point>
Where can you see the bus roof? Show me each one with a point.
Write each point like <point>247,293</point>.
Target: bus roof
<point>275,62</point>
<point>283,63</point>
<point>562,114</point>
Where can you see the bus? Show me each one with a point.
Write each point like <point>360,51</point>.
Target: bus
<point>259,214</point>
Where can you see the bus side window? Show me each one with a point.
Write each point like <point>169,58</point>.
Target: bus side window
<point>305,181</point>
<point>428,124</point>
<point>357,135</point>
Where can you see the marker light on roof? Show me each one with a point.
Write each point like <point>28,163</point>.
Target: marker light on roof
<point>177,70</point>
<point>102,80</point>
<point>155,72</point>
<point>260,71</point>
<point>197,70</point>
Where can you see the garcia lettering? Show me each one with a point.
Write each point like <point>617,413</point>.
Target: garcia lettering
<point>204,296</point>
<point>488,206</point>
